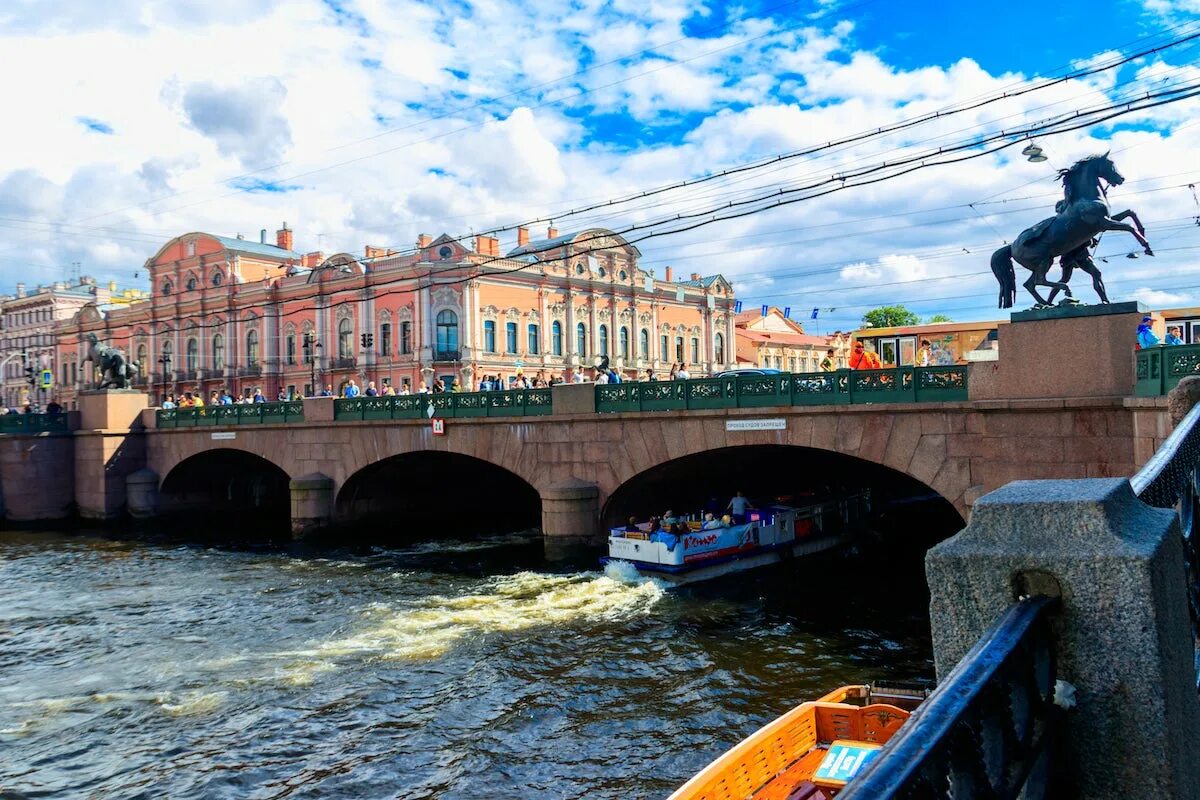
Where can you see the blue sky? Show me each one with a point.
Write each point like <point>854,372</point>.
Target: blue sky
<point>368,122</point>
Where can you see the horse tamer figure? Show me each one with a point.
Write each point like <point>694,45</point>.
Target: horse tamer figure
<point>1084,214</point>
<point>115,370</point>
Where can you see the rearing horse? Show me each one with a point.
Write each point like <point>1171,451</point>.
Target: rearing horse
<point>1085,215</point>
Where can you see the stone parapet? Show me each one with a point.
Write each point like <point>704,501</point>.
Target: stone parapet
<point>573,398</point>
<point>1130,660</point>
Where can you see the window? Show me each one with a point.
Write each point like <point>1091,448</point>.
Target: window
<point>193,354</point>
<point>603,340</point>
<point>309,344</point>
<point>216,278</point>
<point>405,338</point>
<point>385,339</point>
<point>624,275</point>
<point>165,359</point>
<point>532,336</point>
<point>166,288</point>
<point>778,362</point>
<point>489,335</point>
<point>447,331</point>
<point>644,343</point>
<point>510,337</point>
<point>218,352</point>
<point>719,348</point>
<point>623,342</point>
<point>695,350</point>
<point>556,337</point>
<point>581,339</point>
<point>601,271</point>
<point>664,348</point>
<point>345,338</point>
<point>579,269</point>
<point>191,248</point>
<point>141,360</point>
<point>792,364</point>
<point>290,344</point>
<point>679,348</point>
<point>445,251</point>
<point>191,284</point>
<point>252,348</point>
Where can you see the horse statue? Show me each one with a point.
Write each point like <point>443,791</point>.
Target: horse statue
<point>1084,214</point>
<point>115,370</point>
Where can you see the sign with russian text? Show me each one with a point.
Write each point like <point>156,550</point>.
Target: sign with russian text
<point>843,761</point>
<point>779,424</point>
<point>225,435</point>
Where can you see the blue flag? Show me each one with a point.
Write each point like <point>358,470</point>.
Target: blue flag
<point>815,312</point>
<point>737,306</point>
<point>787,312</point>
<point>764,311</point>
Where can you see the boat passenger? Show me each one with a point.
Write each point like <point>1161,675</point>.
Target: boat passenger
<point>710,522</point>
<point>738,506</point>
<point>666,537</point>
<point>726,521</point>
<point>632,525</point>
<point>668,519</point>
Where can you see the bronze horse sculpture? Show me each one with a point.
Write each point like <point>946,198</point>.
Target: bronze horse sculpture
<point>115,370</point>
<point>1084,214</point>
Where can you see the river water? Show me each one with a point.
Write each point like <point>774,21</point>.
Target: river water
<point>462,669</point>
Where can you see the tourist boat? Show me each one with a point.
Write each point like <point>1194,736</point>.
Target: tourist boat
<point>772,533</point>
<point>811,752</point>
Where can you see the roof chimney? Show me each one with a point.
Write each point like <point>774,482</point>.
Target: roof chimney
<point>240,237</point>
<point>262,235</point>
<point>424,240</point>
<point>695,276</point>
<point>668,274</point>
<point>283,238</point>
<point>522,237</point>
<point>551,232</point>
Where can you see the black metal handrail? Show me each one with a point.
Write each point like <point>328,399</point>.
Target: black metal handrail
<point>988,730</point>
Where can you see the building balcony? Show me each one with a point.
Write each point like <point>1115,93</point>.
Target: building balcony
<point>343,363</point>
<point>250,371</point>
<point>445,356</point>
<point>189,374</point>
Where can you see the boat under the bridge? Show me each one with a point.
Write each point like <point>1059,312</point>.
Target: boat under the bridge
<point>809,753</point>
<point>772,533</point>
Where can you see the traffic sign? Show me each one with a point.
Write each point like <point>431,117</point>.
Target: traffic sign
<point>47,379</point>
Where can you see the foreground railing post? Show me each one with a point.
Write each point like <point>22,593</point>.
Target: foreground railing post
<point>1122,637</point>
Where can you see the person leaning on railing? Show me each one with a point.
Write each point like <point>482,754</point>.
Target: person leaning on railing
<point>862,358</point>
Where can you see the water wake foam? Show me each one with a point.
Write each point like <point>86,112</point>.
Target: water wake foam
<point>519,602</point>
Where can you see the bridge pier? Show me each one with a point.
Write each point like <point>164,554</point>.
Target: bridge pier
<point>312,498</point>
<point>36,476</point>
<point>1122,635</point>
<point>570,512</point>
<point>109,446</point>
<point>141,494</point>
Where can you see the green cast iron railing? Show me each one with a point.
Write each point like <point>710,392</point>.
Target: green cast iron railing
<point>508,403</point>
<point>1161,368</point>
<point>247,414</point>
<point>900,385</point>
<point>33,423</point>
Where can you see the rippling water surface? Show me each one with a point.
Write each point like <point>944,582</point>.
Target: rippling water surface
<point>464,669</point>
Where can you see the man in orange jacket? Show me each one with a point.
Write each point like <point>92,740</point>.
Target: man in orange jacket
<point>861,358</point>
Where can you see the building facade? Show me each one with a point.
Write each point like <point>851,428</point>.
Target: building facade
<point>229,314</point>
<point>772,341</point>
<point>27,334</point>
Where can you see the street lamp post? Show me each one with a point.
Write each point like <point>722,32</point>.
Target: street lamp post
<point>311,346</point>
<point>165,360</point>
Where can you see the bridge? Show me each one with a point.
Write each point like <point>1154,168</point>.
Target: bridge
<point>1065,613</point>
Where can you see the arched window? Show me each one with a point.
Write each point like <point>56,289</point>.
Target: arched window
<point>345,338</point>
<point>166,288</point>
<point>191,284</point>
<point>556,337</point>
<point>603,340</point>
<point>644,343</point>
<point>252,348</point>
<point>532,338</point>
<point>510,337</point>
<point>385,339</point>
<point>664,348</point>
<point>719,348</point>
<point>679,348</point>
<point>447,332</point>
<point>216,278</point>
<point>581,339</point>
<point>290,346</point>
<point>695,350</point>
<point>193,355</point>
<point>141,359</point>
<point>218,352</point>
<point>624,342</point>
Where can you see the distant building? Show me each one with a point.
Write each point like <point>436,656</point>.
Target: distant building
<point>950,342</point>
<point>231,314</point>
<point>27,320</point>
<point>776,342</point>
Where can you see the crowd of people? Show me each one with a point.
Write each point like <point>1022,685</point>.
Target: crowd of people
<point>1146,337</point>
<point>670,528</point>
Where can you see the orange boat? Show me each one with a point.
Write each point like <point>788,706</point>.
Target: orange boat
<point>809,753</point>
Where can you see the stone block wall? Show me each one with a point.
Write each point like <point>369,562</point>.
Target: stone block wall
<point>37,476</point>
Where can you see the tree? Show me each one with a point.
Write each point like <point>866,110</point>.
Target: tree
<point>939,318</point>
<point>890,317</point>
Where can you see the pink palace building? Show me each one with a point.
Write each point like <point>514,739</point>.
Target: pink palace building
<point>243,315</point>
